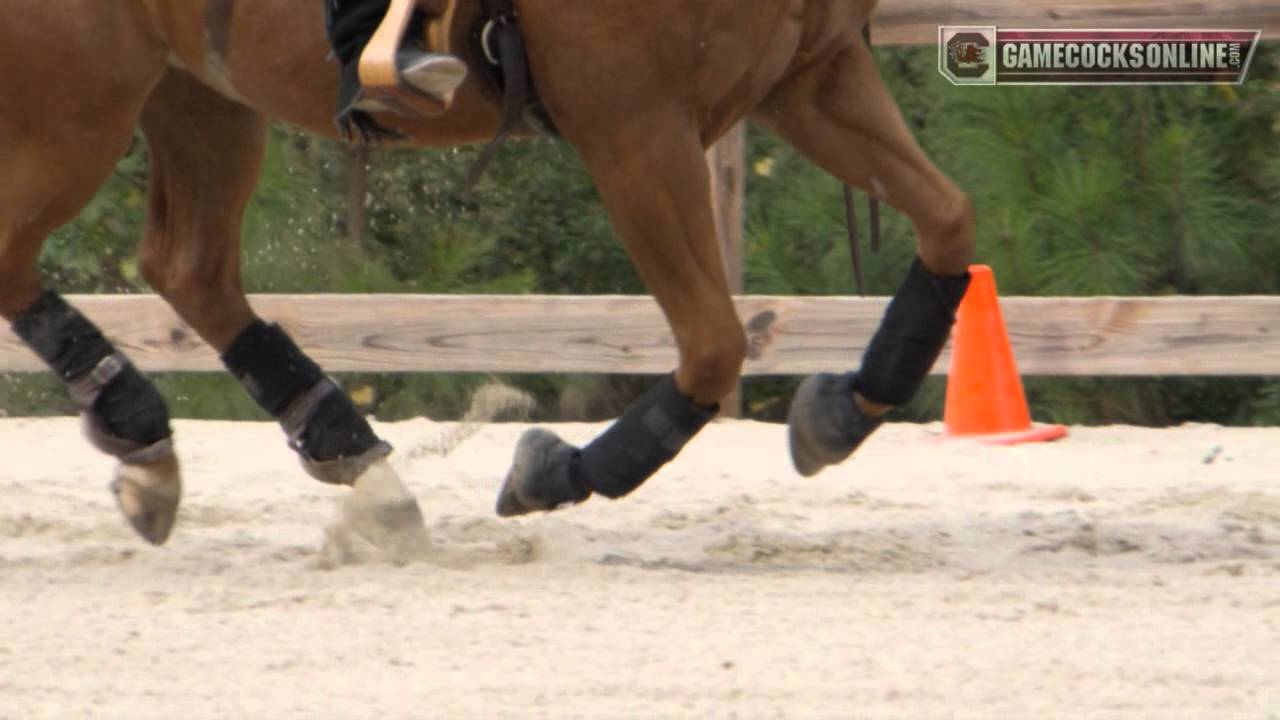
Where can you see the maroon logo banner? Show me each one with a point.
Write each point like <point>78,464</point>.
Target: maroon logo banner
<point>989,56</point>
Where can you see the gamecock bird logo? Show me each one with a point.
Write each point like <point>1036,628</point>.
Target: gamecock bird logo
<point>967,54</point>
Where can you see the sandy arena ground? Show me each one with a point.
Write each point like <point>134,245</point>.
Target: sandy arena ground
<point>1120,573</point>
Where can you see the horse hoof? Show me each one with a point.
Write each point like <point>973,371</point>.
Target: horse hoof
<point>824,423</point>
<point>539,476</point>
<point>148,496</point>
<point>382,511</point>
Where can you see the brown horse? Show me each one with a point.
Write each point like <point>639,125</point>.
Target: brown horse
<point>639,87</point>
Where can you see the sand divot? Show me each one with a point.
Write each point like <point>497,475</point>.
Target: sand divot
<point>350,541</point>
<point>344,546</point>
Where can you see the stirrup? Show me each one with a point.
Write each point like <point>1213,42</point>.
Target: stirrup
<point>434,74</point>
<point>404,79</point>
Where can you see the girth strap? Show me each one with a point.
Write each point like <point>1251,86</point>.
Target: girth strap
<point>517,83</point>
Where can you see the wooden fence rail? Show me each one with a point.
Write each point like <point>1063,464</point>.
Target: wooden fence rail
<point>627,334</point>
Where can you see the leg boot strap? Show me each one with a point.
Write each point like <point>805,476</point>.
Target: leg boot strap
<point>647,436</point>
<point>296,420</point>
<point>87,389</point>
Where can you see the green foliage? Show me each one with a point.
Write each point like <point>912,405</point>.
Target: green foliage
<point>1078,191</point>
<point>1265,408</point>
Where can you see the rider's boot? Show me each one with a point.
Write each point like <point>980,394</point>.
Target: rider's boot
<point>351,24</point>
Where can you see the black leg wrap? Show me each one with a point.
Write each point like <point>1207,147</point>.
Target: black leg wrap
<point>647,436</point>
<point>128,407</point>
<point>124,415</point>
<point>67,341</point>
<point>914,330</point>
<point>335,429</point>
<point>549,473</point>
<point>825,424</point>
<point>335,442</point>
<point>271,367</point>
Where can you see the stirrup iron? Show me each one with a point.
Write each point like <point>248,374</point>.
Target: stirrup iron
<point>395,75</point>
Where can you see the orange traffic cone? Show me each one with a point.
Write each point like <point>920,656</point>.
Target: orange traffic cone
<point>985,399</point>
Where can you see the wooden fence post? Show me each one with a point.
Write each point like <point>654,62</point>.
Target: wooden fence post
<point>357,157</point>
<point>727,161</point>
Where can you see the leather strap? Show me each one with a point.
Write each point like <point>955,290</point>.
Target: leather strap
<point>517,84</point>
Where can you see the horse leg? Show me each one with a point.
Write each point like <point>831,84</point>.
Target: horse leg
<point>658,195</point>
<point>206,153</point>
<point>839,114</point>
<point>59,147</point>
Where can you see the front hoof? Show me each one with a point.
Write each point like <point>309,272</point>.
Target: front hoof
<point>539,479</point>
<point>381,510</point>
<point>148,496</point>
<point>824,424</point>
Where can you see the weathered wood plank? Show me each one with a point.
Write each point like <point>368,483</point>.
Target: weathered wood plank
<point>789,335</point>
<point>727,161</point>
<point>915,22</point>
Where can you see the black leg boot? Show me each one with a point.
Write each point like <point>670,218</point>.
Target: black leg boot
<point>549,473</point>
<point>825,423</point>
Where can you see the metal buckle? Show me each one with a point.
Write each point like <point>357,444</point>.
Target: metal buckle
<point>107,369</point>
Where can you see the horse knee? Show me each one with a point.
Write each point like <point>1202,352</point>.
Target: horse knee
<point>207,296</point>
<point>947,235</point>
<point>179,279</point>
<point>709,372</point>
<point>153,272</point>
<point>201,282</point>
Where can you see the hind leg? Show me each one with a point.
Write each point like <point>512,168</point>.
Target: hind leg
<point>840,115</point>
<point>659,199</point>
<point>206,153</point>
<point>59,147</point>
